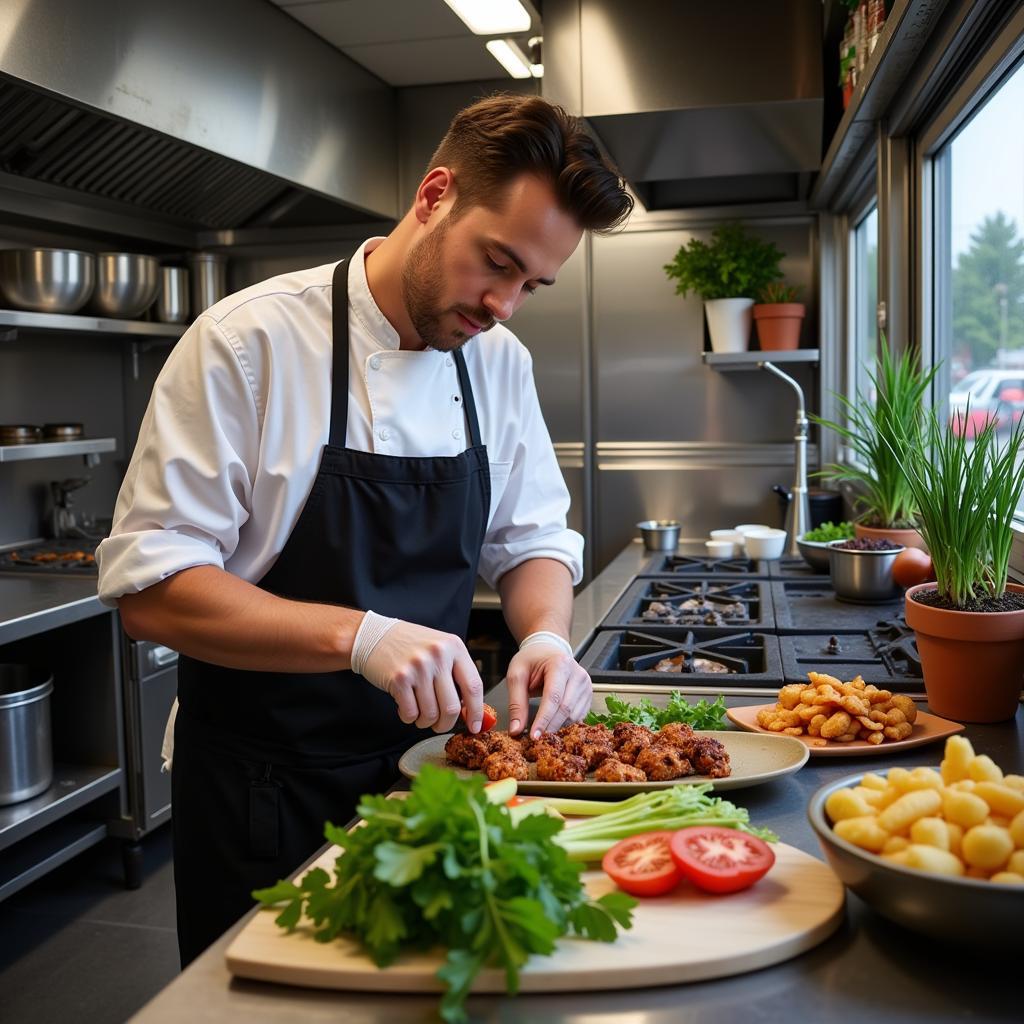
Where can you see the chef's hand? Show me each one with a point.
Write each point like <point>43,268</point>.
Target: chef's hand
<point>423,670</point>
<point>545,665</point>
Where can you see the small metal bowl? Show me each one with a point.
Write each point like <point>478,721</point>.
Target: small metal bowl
<point>126,284</point>
<point>815,553</point>
<point>863,577</point>
<point>660,534</point>
<point>962,910</point>
<point>46,280</point>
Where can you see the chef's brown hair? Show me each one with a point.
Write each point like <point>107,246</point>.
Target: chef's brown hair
<point>493,141</point>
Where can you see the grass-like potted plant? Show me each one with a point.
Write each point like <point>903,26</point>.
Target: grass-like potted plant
<point>885,503</point>
<point>970,622</point>
<point>778,317</point>
<point>727,273</point>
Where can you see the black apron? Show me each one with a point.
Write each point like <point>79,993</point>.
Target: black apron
<point>263,759</point>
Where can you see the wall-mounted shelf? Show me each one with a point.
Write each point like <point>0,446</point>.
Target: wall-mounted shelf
<point>21,319</point>
<point>56,449</point>
<point>726,362</point>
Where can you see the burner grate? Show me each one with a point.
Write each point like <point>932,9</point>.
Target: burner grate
<point>701,565</point>
<point>715,604</point>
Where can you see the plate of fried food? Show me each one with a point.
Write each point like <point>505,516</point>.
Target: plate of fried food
<point>594,760</point>
<point>837,719</point>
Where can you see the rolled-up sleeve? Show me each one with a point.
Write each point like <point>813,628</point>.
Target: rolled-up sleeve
<point>529,519</point>
<point>188,488</point>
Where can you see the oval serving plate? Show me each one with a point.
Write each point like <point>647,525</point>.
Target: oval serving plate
<point>754,758</point>
<point>927,729</point>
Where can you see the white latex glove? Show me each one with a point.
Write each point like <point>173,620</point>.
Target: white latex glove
<point>545,663</point>
<point>423,670</point>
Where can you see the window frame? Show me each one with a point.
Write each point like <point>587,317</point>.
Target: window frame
<point>998,63</point>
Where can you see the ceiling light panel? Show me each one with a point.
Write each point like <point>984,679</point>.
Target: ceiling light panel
<point>510,57</point>
<point>492,17</point>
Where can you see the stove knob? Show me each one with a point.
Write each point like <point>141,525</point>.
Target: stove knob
<point>833,646</point>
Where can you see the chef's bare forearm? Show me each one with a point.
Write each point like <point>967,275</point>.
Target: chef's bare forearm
<point>537,595</point>
<point>209,614</point>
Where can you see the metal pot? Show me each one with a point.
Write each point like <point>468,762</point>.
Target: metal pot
<point>47,280</point>
<point>26,755</point>
<point>126,284</point>
<point>172,301</point>
<point>864,577</point>
<point>659,534</point>
<point>209,275</point>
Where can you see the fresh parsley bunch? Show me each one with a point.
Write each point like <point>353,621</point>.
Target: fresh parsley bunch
<point>447,867</point>
<point>702,715</point>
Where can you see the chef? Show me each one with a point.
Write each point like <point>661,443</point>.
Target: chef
<point>328,460</point>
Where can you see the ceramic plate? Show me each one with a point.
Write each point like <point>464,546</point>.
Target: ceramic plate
<point>927,729</point>
<point>754,759</point>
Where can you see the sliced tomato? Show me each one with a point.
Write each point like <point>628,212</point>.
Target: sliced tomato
<point>720,859</point>
<point>490,717</point>
<point>642,865</point>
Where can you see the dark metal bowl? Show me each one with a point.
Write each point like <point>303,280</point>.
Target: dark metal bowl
<point>815,553</point>
<point>967,911</point>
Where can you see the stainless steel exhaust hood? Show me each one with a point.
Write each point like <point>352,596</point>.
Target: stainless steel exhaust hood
<point>699,103</point>
<point>208,114</point>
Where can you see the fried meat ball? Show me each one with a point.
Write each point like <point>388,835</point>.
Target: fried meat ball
<point>614,770</point>
<point>499,741</point>
<point>661,762</point>
<point>709,757</point>
<point>626,731</point>
<point>466,751</point>
<point>547,742</point>
<point>502,765</point>
<point>678,734</point>
<point>553,767</point>
<point>630,745</point>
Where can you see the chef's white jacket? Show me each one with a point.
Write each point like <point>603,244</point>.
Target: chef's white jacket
<point>231,441</point>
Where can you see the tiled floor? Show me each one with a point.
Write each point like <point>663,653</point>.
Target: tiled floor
<point>76,946</point>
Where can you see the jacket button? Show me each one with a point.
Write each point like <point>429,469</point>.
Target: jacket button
<point>375,363</point>
<point>384,433</point>
<point>448,361</point>
<point>457,434</point>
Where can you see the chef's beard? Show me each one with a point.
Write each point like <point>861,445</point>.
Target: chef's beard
<point>422,282</point>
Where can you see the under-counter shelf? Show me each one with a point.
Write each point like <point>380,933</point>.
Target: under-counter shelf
<point>731,361</point>
<point>41,853</point>
<point>73,787</point>
<point>56,449</point>
<point>75,322</point>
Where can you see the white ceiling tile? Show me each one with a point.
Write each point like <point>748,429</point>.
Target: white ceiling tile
<point>361,22</point>
<point>428,62</point>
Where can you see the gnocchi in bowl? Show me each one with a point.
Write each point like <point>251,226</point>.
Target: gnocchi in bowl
<point>939,850</point>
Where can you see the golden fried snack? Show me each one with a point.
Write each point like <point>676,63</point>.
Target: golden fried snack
<point>596,751</point>
<point>498,740</point>
<point>561,768</point>
<point>661,762</point>
<point>626,731</point>
<point>466,751</point>
<point>678,734</point>
<point>501,765</point>
<point>546,742</point>
<point>837,725</point>
<point>614,770</point>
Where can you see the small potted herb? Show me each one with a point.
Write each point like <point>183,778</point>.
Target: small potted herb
<point>727,273</point>
<point>886,501</point>
<point>970,622</point>
<point>778,317</point>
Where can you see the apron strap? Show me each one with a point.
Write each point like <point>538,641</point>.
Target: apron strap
<point>339,375</point>
<point>469,405</point>
<point>339,343</point>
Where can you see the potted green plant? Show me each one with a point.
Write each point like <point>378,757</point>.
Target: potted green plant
<point>778,317</point>
<point>726,273</point>
<point>970,622</point>
<point>885,502</point>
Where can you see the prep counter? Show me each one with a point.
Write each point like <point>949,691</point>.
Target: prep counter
<point>868,970</point>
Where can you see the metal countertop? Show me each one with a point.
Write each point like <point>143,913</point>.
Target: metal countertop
<point>869,970</point>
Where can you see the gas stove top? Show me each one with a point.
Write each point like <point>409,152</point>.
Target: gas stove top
<point>701,565</point>
<point>713,604</point>
<point>53,557</point>
<point>794,567</point>
<point>811,606</point>
<point>684,657</point>
<point>884,653</point>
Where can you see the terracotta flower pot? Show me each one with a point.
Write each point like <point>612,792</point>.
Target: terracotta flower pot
<point>908,538</point>
<point>778,325</point>
<point>973,662</point>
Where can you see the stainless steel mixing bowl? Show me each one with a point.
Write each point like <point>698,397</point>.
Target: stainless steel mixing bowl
<point>46,280</point>
<point>126,284</point>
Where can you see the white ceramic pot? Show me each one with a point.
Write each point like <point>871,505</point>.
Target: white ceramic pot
<point>729,322</point>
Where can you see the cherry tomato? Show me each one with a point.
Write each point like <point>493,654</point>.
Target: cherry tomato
<point>642,865</point>
<point>488,720</point>
<point>912,566</point>
<point>720,859</point>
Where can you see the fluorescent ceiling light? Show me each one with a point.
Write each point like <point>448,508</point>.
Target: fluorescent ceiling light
<point>510,57</point>
<point>492,17</point>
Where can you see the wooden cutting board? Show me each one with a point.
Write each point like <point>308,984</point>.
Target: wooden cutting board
<point>684,936</point>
